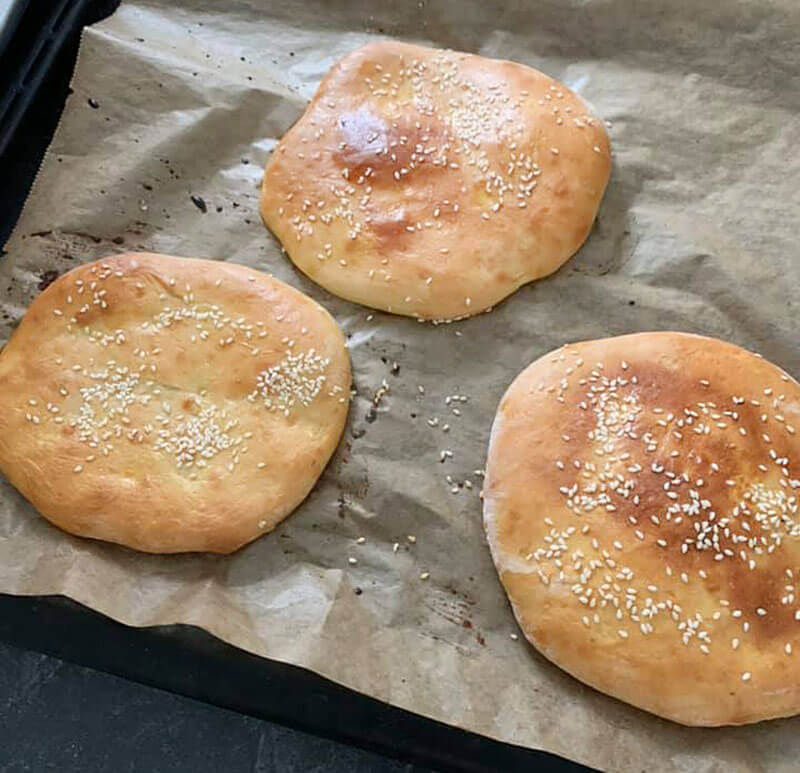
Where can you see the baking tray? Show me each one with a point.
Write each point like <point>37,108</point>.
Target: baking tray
<point>31,35</point>
<point>38,59</point>
<point>10,13</point>
<point>191,662</point>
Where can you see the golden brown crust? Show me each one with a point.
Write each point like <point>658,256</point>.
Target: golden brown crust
<point>435,183</point>
<point>640,504</point>
<point>170,404</point>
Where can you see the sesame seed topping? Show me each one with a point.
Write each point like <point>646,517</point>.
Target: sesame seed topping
<point>296,379</point>
<point>699,507</point>
<point>450,119</point>
<point>114,403</point>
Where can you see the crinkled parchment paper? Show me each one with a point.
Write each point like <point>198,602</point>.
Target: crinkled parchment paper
<point>696,233</point>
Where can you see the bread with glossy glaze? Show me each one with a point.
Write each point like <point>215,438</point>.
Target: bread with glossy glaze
<point>434,183</point>
<point>641,509</point>
<point>170,404</point>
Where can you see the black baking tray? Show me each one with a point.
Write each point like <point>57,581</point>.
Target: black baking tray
<point>32,33</point>
<point>10,14</point>
<point>191,662</point>
<point>38,48</point>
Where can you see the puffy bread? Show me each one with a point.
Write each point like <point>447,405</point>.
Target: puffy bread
<point>170,404</point>
<point>435,183</point>
<point>641,508</point>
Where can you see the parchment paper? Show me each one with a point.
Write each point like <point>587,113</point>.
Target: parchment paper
<point>697,233</point>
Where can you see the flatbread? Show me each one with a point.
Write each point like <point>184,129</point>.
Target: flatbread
<point>170,404</point>
<point>435,183</point>
<point>641,508</point>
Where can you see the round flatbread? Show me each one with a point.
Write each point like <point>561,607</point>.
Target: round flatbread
<point>435,183</point>
<point>641,508</point>
<point>170,404</point>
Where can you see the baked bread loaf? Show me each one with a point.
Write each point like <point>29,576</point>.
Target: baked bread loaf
<point>434,183</point>
<point>170,404</point>
<point>641,508</point>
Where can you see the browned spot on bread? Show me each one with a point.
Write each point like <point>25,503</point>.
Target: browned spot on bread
<point>641,502</point>
<point>407,158</point>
